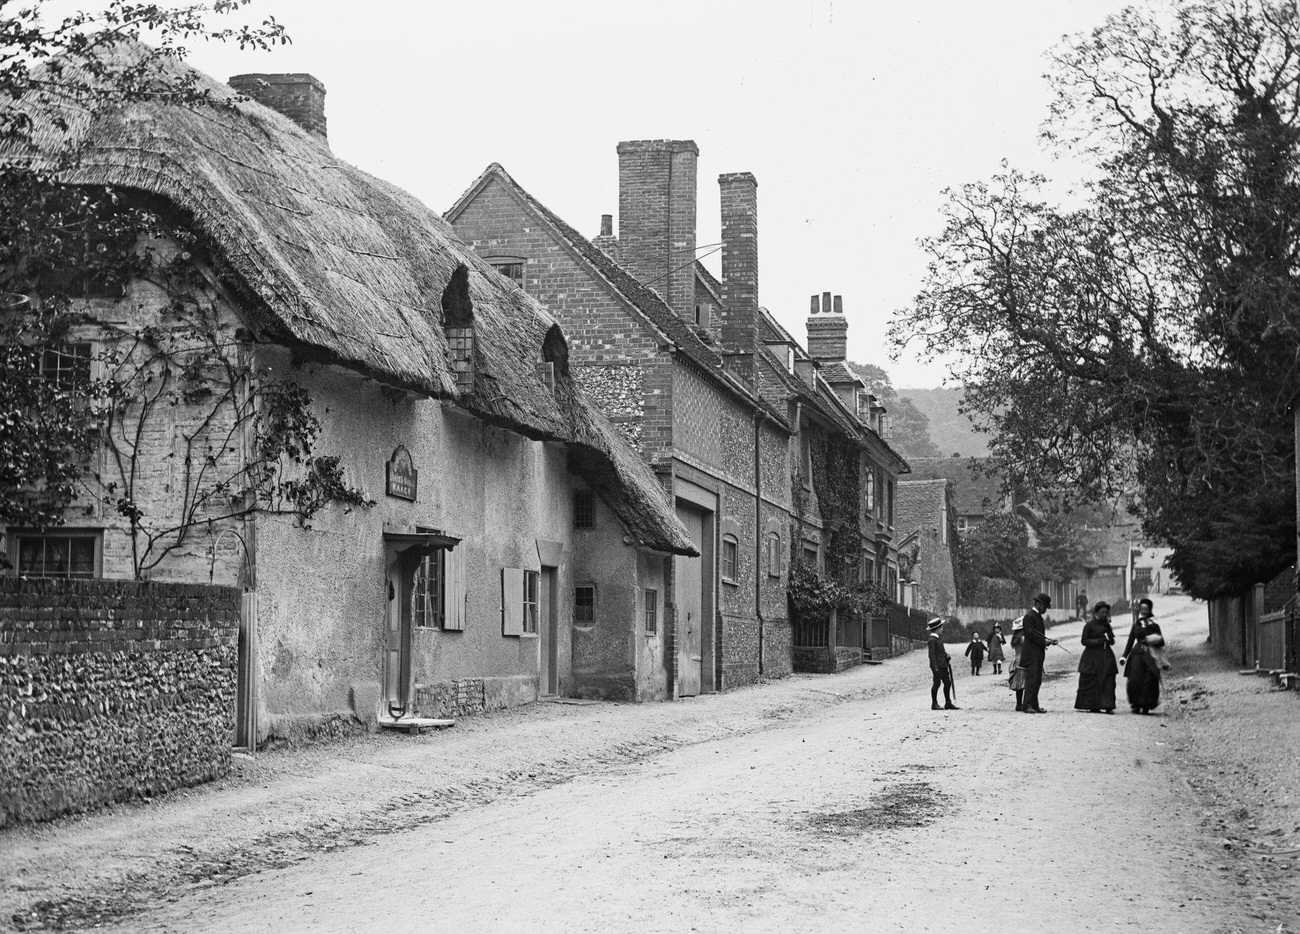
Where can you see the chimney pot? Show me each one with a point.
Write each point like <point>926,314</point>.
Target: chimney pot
<point>300,97</point>
<point>826,303</point>
<point>816,305</point>
<point>607,225</point>
<point>839,304</point>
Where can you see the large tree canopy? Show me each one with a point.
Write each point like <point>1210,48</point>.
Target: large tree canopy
<point>1145,342</point>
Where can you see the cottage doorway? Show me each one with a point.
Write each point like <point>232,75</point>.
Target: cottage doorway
<point>548,630</point>
<point>398,637</point>
<point>688,576</point>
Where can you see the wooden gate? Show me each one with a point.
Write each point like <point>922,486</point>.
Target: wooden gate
<point>1276,631</point>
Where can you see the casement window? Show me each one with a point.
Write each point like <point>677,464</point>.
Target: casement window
<point>867,570</point>
<point>584,604</point>
<point>891,503</point>
<point>811,555</point>
<point>66,553</point>
<point>584,509</point>
<point>427,592</point>
<point>870,485</point>
<point>461,341</point>
<point>730,549</point>
<point>438,591</point>
<point>651,612</point>
<point>773,554</point>
<point>66,366</point>
<point>519,604</point>
<point>512,267</point>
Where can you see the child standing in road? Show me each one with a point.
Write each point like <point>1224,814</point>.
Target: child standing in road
<point>996,654</point>
<point>976,652</point>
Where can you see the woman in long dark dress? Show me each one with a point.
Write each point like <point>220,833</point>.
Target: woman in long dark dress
<point>1097,668</point>
<point>1141,670</point>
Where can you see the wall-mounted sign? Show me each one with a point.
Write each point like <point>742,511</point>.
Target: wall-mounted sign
<point>401,475</point>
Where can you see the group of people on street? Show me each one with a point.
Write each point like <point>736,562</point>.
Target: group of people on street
<point>1143,660</point>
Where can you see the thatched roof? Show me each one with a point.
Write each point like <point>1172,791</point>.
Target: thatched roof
<point>353,270</point>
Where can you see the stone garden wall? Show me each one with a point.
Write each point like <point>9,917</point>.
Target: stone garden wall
<point>111,690</point>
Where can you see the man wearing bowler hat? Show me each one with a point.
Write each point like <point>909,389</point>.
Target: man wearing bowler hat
<point>1034,651</point>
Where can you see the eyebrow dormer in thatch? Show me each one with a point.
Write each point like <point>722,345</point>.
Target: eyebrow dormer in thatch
<point>350,270</point>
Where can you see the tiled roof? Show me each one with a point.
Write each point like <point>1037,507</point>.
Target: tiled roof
<point>919,504</point>
<point>974,493</point>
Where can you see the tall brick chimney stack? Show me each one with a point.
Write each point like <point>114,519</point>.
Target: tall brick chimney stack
<point>828,332</point>
<point>656,217</point>
<point>299,97</point>
<point>739,313</point>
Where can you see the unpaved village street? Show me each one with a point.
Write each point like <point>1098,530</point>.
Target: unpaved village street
<point>817,803</point>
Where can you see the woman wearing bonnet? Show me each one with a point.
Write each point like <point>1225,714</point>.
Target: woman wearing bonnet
<point>1143,659</point>
<point>1097,668</point>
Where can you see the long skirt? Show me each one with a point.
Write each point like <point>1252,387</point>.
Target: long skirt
<point>1017,680</point>
<point>1143,676</point>
<point>1096,691</point>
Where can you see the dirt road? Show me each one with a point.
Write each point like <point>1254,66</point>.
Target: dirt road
<point>838,803</point>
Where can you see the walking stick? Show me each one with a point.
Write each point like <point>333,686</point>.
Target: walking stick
<point>952,683</point>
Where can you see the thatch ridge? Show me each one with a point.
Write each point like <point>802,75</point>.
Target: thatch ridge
<point>353,269</point>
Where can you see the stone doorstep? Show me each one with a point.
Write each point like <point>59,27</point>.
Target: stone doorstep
<point>414,725</point>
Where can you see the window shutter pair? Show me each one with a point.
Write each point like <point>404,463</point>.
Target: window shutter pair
<point>453,614</point>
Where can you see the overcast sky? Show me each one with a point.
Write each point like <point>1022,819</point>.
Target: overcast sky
<point>853,116</point>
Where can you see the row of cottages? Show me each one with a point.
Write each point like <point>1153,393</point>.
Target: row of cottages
<point>515,547</point>
<point>720,402</point>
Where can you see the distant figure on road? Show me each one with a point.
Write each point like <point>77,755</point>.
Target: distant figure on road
<point>1034,652</point>
<point>1017,680</point>
<point>1141,665</point>
<point>1081,605</point>
<point>996,655</point>
<point>975,650</point>
<point>940,666</point>
<point>1097,667</point>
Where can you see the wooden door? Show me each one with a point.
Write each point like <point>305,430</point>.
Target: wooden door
<point>397,670</point>
<point>688,588</point>
<point>548,632</point>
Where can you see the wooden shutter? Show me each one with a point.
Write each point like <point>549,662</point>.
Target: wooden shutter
<point>512,602</point>
<point>453,588</point>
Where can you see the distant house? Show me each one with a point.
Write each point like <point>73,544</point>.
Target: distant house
<point>927,527</point>
<point>976,491</point>
<point>517,546</point>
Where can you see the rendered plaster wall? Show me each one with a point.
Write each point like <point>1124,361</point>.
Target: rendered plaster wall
<point>323,591</point>
<point>111,690</point>
<point>612,658</point>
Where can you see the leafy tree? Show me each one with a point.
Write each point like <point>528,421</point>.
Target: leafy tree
<point>1147,340</point>
<point>998,548</point>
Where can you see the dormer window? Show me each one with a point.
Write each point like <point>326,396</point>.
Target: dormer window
<point>458,323</point>
<point>512,267</point>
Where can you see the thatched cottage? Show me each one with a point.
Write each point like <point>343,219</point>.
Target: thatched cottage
<point>512,528</point>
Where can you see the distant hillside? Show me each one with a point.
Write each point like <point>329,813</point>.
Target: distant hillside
<point>950,431</point>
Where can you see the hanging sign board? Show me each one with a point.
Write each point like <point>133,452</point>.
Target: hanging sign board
<point>402,475</point>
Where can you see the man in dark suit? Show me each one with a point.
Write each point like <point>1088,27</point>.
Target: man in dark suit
<point>940,667</point>
<point>1034,651</point>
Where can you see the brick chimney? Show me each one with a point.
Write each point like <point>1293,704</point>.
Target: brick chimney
<point>606,239</point>
<point>828,332</point>
<point>739,313</point>
<point>656,217</point>
<point>299,97</point>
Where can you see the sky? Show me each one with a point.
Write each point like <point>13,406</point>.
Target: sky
<point>853,116</point>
